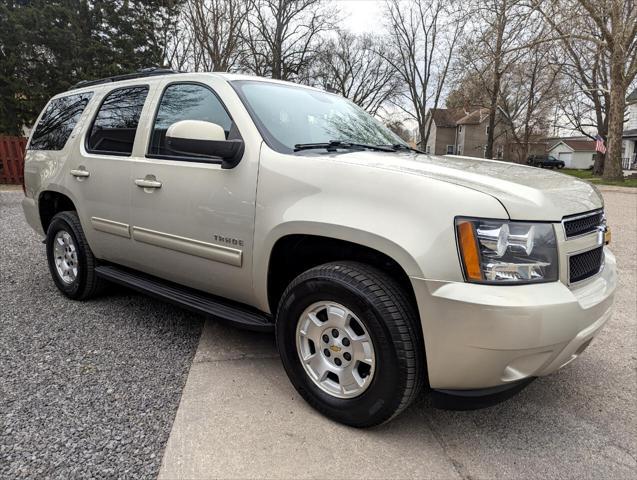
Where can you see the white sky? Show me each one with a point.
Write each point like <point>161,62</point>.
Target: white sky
<point>361,15</point>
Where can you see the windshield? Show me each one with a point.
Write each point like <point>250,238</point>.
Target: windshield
<point>287,116</point>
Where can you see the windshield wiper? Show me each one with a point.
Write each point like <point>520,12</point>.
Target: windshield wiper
<point>334,145</point>
<point>401,147</point>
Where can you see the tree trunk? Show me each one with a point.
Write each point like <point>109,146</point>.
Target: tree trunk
<point>424,136</point>
<point>497,78</point>
<point>613,162</point>
<point>277,73</point>
<point>493,108</point>
<point>424,128</point>
<point>598,165</point>
<point>277,50</point>
<point>602,131</point>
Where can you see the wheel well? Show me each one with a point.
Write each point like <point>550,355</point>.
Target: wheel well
<point>50,203</point>
<point>294,254</point>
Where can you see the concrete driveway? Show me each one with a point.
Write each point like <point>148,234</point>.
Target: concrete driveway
<point>91,389</point>
<point>239,417</point>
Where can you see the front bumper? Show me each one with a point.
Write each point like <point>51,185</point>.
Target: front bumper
<point>481,336</point>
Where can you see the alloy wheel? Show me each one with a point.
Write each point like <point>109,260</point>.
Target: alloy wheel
<point>335,349</point>
<point>65,254</point>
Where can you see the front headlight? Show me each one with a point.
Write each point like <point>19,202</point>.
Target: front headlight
<point>503,252</point>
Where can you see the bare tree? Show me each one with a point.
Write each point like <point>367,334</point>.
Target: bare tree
<point>423,35</point>
<point>217,27</point>
<point>528,87</point>
<point>500,33</point>
<point>528,93</point>
<point>354,66</point>
<point>617,22</point>
<point>281,36</point>
<point>585,79</point>
<point>610,25</point>
<point>466,89</point>
<point>208,35</point>
<point>399,129</point>
<point>178,42</point>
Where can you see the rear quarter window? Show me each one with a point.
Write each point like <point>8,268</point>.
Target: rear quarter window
<point>58,121</point>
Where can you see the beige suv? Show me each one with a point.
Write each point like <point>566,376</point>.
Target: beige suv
<point>279,207</point>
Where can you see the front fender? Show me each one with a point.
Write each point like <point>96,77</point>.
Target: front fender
<point>406,217</point>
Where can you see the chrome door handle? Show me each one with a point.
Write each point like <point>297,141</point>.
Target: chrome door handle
<point>147,183</point>
<point>80,173</point>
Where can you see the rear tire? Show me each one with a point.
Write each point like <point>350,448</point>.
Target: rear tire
<point>71,261</point>
<point>389,372</point>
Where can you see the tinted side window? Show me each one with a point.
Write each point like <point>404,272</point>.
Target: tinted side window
<point>115,125</point>
<point>58,121</point>
<point>186,102</point>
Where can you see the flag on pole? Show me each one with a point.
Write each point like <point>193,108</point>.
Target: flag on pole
<point>599,145</point>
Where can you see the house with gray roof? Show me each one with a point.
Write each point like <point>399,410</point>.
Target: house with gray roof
<point>464,131</point>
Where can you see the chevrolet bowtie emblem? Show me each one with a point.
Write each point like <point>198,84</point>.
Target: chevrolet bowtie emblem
<point>335,349</point>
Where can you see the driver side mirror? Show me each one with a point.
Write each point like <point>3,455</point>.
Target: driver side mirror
<point>199,138</point>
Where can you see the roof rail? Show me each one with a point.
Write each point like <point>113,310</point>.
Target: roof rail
<point>144,72</point>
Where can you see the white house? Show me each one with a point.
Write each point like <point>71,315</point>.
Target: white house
<point>629,144</point>
<point>578,154</point>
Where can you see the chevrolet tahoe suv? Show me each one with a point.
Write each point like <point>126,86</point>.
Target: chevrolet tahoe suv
<point>273,206</point>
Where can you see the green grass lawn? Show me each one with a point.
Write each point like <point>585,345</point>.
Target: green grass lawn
<point>588,175</point>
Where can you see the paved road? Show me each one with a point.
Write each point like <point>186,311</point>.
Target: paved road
<point>92,388</point>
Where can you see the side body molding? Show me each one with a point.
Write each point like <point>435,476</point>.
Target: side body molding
<point>111,226</point>
<point>210,251</point>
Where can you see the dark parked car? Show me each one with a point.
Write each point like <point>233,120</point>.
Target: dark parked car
<point>544,161</point>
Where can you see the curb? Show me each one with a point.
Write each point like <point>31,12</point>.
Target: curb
<point>614,188</point>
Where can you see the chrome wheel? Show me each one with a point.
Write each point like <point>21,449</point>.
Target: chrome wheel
<point>335,349</point>
<point>65,254</point>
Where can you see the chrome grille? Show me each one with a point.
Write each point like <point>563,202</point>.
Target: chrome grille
<point>585,265</point>
<point>583,224</point>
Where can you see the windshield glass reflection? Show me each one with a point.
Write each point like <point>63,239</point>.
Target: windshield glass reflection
<point>287,116</point>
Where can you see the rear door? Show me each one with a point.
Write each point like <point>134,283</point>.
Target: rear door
<point>102,171</point>
<point>192,221</point>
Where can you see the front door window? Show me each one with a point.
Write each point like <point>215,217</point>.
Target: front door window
<point>187,101</point>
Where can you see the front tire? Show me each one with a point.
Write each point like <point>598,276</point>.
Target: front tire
<point>71,262</point>
<point>350,343</point>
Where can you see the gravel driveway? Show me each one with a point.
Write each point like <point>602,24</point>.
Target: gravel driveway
<point>88,389</point>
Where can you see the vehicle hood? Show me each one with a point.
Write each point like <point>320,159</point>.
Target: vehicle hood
<point>527,193</point>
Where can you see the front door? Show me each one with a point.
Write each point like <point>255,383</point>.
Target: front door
<point>192,221</point>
